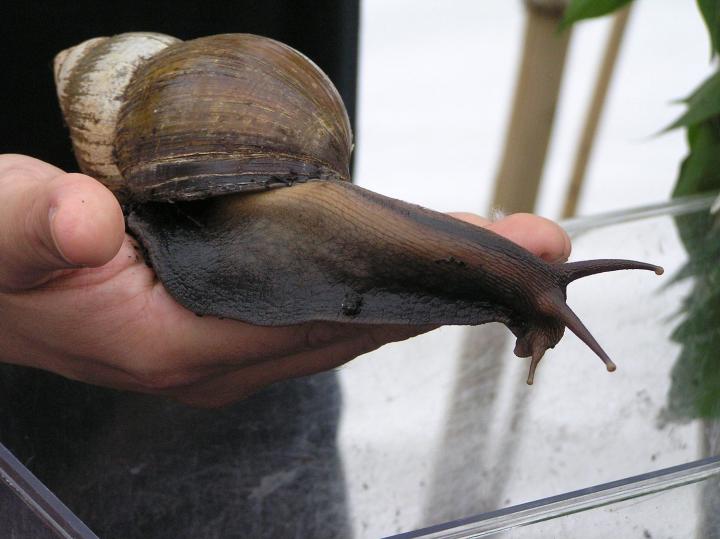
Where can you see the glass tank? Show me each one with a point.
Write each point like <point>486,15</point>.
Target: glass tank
<point>438,436</point>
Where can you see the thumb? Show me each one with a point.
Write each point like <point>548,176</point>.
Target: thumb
<point>50,221</point>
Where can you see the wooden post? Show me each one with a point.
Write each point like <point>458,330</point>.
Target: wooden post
<point>597,103</point>
<point>536,94</point>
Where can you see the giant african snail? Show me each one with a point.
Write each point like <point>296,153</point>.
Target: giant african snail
<point>231,155</point>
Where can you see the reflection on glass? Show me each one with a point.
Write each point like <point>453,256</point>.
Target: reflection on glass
<point>29,509</point>
<point>676,513</point>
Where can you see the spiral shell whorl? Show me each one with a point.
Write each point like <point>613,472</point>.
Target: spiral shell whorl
<point>229,113</point>
<point>91,79</point>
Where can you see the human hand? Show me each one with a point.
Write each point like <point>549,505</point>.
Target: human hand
<point>77,299</point>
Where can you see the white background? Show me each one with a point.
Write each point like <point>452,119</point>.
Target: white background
<point>436,86</point>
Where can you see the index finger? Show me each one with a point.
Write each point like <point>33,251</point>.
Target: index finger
<point>539,235</point>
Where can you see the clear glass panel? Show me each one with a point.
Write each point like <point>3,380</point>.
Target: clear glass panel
<point>443,427</point>
<point>621,508</point>
<point>29,509</point>
<point>681,513</point>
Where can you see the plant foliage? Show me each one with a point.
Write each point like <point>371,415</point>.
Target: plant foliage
<point>710,10</point>
<point>703,104</point>
<point>578,10</point>
<point>695,390</point>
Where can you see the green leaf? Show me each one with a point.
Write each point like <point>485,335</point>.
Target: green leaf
<point>695,389</point>
<point>702,104</point>
<point>700,171</point>
<point>710,10</point>
<point>587,9</point>
<point>704,307</point>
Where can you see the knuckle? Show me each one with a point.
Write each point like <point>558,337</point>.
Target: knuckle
<point>320,334</point>
<point>313,337</point>
<point>370,341</point>
<point>14,175</point>
<point>24,167</point>
<point>9,161</point>
<point>157,374</point>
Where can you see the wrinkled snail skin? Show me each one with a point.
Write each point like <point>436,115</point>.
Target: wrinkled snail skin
<point>336,252</point>
<point>231,152</point>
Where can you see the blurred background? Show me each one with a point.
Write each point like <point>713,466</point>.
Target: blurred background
<point>436,85</point>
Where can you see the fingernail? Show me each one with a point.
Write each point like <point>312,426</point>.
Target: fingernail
<point>52,213</point>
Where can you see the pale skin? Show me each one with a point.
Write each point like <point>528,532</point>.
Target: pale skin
<point>77,299</point>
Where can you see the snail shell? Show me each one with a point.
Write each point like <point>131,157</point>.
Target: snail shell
<point>90,79</point>
<point>214,115</point>
<point>237,115</point>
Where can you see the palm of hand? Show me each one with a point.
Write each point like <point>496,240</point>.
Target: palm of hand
<point>117,326</point>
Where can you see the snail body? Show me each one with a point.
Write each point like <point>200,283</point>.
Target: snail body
<point>231,154</point>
